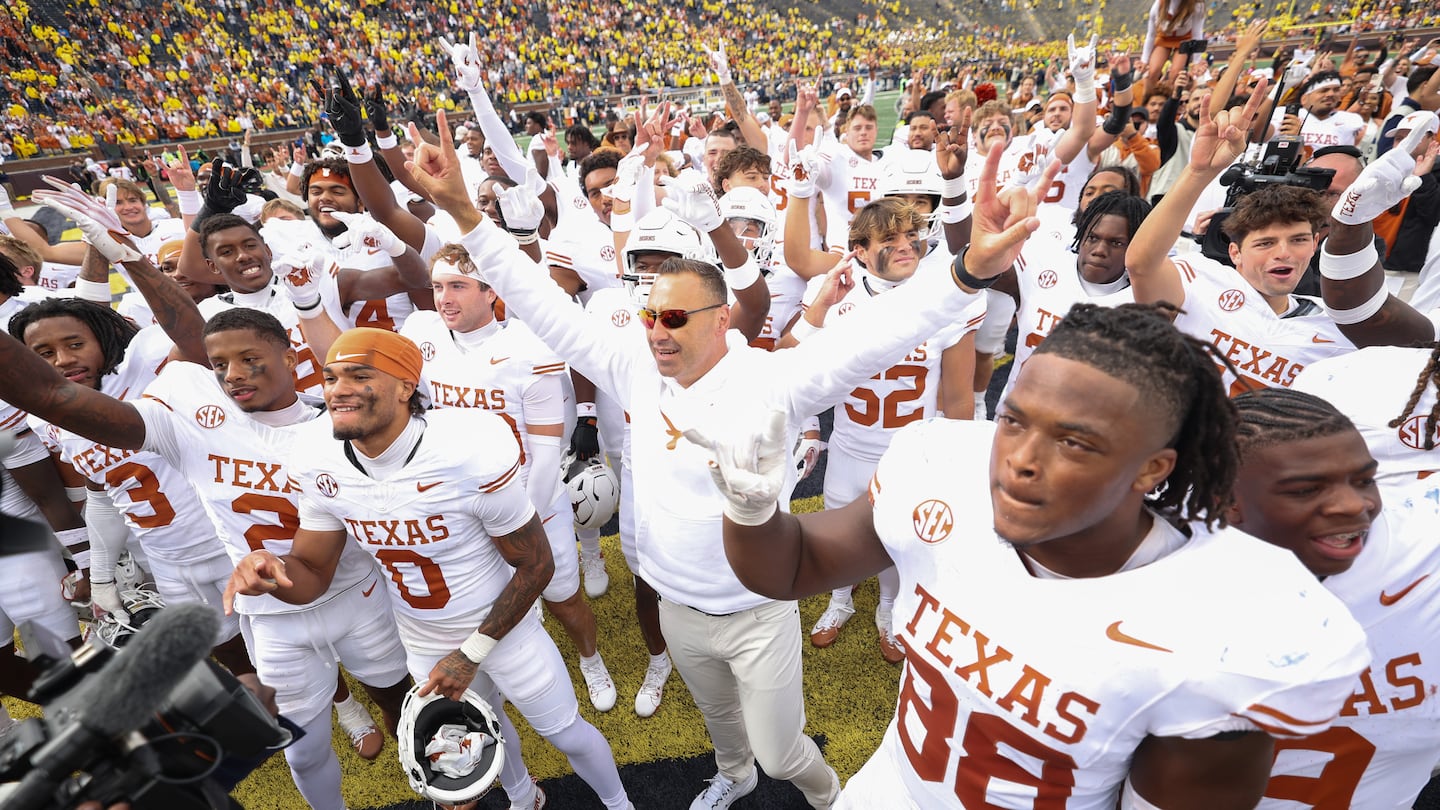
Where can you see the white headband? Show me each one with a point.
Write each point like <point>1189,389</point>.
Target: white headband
<point>443,267</point>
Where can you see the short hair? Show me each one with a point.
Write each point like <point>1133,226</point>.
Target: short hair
<point>582,134</point>
<point>920,113</point>
<point>338,165</point>
<point>928,100</point>
<point>1418,77</point>
<point>711,279</point>
<point>211,225</point>
<point>865,111</point>
<point>112,330</point>
<point>1132,207</point>
<point>598,159</point>
<point>19,251</point>
<point>1279,415</point>
<point>1139,345</point>
<point>742,158</point>
<point>272,207</point>
<point>1273,205</point>
<point>10,284</point>
<point>880,219</point>
<point>122,188</point>
<point>724,132</point>
<point>538,117</point>
<point>1128,177</point>
<point>456,254</point>
<point>1160,89</point>
<point>262,323</point>
<point>989,109</point>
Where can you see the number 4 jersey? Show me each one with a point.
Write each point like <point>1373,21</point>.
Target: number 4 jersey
<point>1023,692</point>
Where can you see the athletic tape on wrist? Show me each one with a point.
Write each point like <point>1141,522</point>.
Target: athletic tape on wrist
<point>954,187</point>
<point>98,291</point>
<point>189,202</point>
<point>1348,265</point>
<point>622,223</point>
<point>955,214</point>
<point>527,237</point>
<point>739,278</point>
<point>1345,317</point>
<point>297,169</point>
<point>477,647</point>
<point>387,141</point>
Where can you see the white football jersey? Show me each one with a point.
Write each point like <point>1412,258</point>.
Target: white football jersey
<point>1049,282</point>
<point>1031,159</point>
<point>585,245</point>
<point>237,465</point>
<point>26,450</point>
<point>1380,751</point>
<point>1341,128</point>
<point>1222,309</point>
<point>389,313</point>
<point>430,525</point>
<point>846,184</point>
<point>1372,386</point>
<point>787,293</point>
<point>614,307</point>
<point>904,393</point>
<point>275,299</point>
<point>1008,708</point>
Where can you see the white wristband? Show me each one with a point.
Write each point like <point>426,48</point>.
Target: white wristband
<point>955,214</point>
<point>584,409</point>
<point>297,169</point>
<point>477,647</point>
<point>526,238</point>
<point>742,277</point>
<point>73,494</point>
<point>1349,265</point>
<point>97,291</point>
<point>622,223</point>
<point>954,187</point>
<point>359,154</point>
<point>387,141</point>
<point>189,202</point>
<point>1345,317</point>
<point>1085,91</point>
<point>803,329</point>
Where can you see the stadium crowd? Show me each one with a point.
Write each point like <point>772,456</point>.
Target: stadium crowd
<point>374,396</point>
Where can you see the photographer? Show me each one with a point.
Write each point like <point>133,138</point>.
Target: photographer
<point>1319,121</point>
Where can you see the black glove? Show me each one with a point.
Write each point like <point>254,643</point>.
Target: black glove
<point>225,190</point>
<point>375,108</point>
<point>585,439</point>
<point>343,107</point>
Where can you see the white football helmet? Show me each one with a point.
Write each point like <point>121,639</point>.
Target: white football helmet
<point>420,721</point>
<point>115,630</point>
<point>748,204</point>
<point>657,232</point>
<point>914,172</point>
<point>594,490</point>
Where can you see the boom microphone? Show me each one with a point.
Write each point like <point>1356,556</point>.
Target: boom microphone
<point>129,691</point>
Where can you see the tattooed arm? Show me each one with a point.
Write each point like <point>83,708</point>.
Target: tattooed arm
<point>174,310</point>
<point>30,383</point>
<point>749,127</point>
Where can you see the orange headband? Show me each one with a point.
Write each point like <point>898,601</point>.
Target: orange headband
<point>380,349</point>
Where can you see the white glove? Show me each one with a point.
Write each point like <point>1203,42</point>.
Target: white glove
<point>520,205</point>
<point>299,270</point>
<point>627,177</point>
<point>803,165</point>
<point>693,200</point>
<point>805,455</point>
<point>749,470</point>
<point>721,63</point>
<point>105,598</point>
<point>96,220</point>
<point>1082,68</point>
<point>1389,179</point>
<point>466,59</point>
<point>362,229</point>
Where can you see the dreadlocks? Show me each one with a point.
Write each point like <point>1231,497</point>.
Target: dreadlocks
<point>111,329</point>
<point>1137,344</point>
<point>1132,207</point>
<point>1275,415</point>
<point>1430,375</point>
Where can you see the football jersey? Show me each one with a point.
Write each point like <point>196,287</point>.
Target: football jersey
<point>1008,708</point>
<point>238,468</point>
<point>1030,163</point>
<point>787,292</point>
<point>1339,129</point>
<point>1049,282</point>
<point>460,379</point>
<point>585,245</point>
<point>275,299</point>
<point>1371,386</point>
<point>283,235</point>
<point>25,450</point>
<point>430,525</point>
<point>157,502</point>
<point>906,392</point>
<point>1222,309</point>
<point>613,306</point>
<point>846,184</point>
<point>1380,751</point>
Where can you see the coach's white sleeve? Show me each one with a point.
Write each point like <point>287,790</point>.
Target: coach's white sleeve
<point>870,339</point>
<point>603,355</point>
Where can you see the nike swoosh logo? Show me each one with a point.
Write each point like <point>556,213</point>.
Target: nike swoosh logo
<point>372,251</point>
<point>547,520</point>
<point>495,361</point>
<point>419,487</point>
<point>350,356</point>
<point>1318,339</point>
<point>1388,599</point>
<point>1113,633</point>
<point>366,593</point>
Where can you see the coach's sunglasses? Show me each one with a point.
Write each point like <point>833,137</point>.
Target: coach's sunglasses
<point>671,318</point>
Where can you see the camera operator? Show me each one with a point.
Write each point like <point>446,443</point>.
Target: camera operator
<point>1319,122</point>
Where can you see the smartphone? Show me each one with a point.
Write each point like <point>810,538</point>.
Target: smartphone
<point>1192,46</point>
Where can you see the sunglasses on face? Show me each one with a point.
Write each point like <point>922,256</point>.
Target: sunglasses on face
<point>671,318</point>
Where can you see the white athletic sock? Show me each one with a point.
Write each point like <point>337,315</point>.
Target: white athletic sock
<point>842,594</point>
<point>889,588</point>
<point>589,540</point>
<point>352,714</point>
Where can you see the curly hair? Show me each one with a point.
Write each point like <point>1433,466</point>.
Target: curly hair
<point>1274,205</point>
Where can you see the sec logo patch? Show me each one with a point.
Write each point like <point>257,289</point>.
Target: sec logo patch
<point>844,308</point>
<point>607,253</point>
<point>1412,432</point>
<point>1047,279</point>
<point>327,485</point>
<point>210,416</point>
<point>620,317</point>
<point>933,521</point>
<point>427,350</point>
<point>1231,300</point>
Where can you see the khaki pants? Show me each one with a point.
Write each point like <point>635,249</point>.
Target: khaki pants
<point>743,671</point>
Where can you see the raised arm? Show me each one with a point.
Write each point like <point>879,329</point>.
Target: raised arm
<point>1352,278</point>
<point>694,201</point>
<point>735,100</point>
<point>1082,121</point>
<point>344,109</point>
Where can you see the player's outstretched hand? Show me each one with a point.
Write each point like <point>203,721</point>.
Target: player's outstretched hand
<point>437,169</point>
<point>96,219</point>
<point>451,676</point>
<point>1392,176</point>
<point>1002,221</point>
<point>466,60</point>
<point>693,200</point>
<point>258,572</point>
<point>365,230</point>
<point>520,205</point>
<point>748,468</point>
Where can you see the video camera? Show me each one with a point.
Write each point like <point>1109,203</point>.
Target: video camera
<point>155,724</point>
